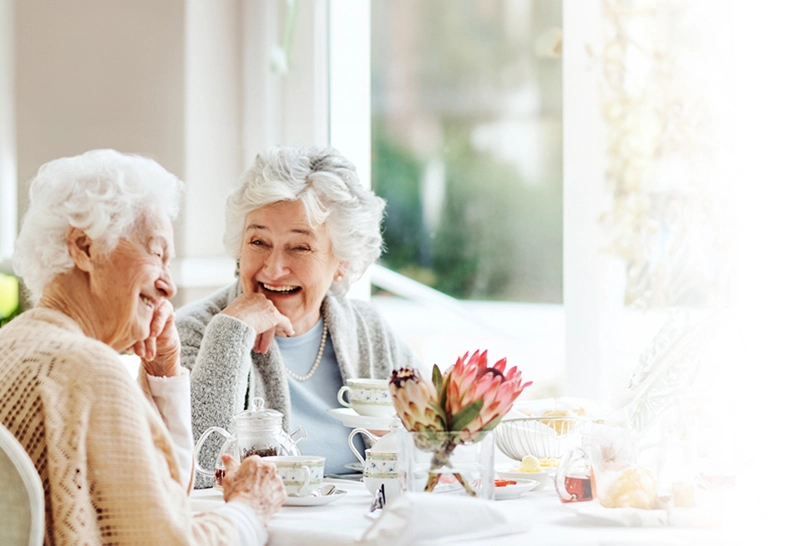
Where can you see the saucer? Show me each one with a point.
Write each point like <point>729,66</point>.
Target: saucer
<point>516,490</point>
<point>350,418</point>
<point>315,501</point>
<point>358,467</point>
<point>543,479</point>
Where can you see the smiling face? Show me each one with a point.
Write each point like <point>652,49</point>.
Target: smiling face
<point>131,281</point>
<point>289,261</point>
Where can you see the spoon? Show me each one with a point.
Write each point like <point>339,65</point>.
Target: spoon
<point>324,491</point>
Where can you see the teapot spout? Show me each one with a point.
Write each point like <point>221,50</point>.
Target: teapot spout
<point>295,436</point>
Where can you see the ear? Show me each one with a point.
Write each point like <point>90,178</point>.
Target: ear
<point>81,248</point>
<point>341,269</point>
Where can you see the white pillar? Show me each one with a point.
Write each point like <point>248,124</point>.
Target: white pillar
<point>8,152</point>
<point>213,142</point>
<point>349,91</point>
<point>586,271</point>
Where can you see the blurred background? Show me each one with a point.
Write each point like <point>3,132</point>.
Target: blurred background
<point>569,184</point>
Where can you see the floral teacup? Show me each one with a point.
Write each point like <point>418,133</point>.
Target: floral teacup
<point>301,475</point>
<point>367,397</point>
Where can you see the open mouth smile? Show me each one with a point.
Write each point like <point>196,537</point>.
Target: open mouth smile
<point>148,301</point>
<point>279,289</point>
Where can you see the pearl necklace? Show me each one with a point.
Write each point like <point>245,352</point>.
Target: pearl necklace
<point>316,362</point>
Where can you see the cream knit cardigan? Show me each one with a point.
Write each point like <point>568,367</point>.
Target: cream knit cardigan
<point>102,451</point>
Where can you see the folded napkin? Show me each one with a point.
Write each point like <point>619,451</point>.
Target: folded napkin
<point>431,518</point>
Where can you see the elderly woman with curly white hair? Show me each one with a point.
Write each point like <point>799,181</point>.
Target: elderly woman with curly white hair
<point>302,228</point>
<point>115,458</point>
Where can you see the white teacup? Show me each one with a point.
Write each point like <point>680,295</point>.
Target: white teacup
<point>301,474</point>
<point>367,397</point>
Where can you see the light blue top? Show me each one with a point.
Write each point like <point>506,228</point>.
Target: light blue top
<point>311,398</point>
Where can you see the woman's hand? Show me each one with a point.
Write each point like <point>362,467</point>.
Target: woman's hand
<point>255,483</point>
<point>161,351</point>
<point>258,312</point>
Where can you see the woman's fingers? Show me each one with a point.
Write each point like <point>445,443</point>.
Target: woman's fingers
<point>263,341</point>
<point>231,468</point>
<point>160,352</point>
<point>284,325</point>
<point>151,348</point>
<point>256,483</point>
<point>163,313</point>
<point>257,311</point>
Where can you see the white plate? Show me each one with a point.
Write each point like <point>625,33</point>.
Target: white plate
<point>350,418</point>
<point>315,501</point>
<point>544,479</point>
<point>596,514</point>
<point>358,467</point>
<point>514,491</point>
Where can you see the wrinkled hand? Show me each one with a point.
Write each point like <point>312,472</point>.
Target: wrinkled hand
<point>255,483</point>
<point>161,351</point>
<point>258,312</point>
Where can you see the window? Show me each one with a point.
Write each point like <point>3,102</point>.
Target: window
<point>466,145</point>
<point>466,139</point>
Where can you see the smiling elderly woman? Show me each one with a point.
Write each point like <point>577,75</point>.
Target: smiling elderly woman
<point>115,459</point>
<point>302,229</point>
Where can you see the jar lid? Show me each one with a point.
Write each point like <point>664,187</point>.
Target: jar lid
<point>259,414</point>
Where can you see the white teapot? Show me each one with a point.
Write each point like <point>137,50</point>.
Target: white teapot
<point>381,466</point>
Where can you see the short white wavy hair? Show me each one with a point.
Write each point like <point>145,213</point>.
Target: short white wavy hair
<point>103,192</point>
<point>327,185</point>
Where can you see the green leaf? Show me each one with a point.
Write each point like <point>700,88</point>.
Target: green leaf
<point>443,393</point>
<point>437,380</point>
<point>492,424</point>
<point>466,416</point>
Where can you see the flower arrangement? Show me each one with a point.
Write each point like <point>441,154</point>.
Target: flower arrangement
<point>454,408</point>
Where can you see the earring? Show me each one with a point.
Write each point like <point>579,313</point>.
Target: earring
<point>338,278</point>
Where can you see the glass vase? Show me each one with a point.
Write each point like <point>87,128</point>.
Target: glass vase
<point>447,462</point>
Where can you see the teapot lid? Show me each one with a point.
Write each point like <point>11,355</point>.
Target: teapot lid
<point>258,415</point>
<point>388,442</point>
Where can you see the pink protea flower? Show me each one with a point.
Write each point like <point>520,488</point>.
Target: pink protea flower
<point>416,401</point>
<point>470,381</point>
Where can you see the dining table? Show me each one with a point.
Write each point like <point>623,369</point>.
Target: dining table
<point>539,518</point>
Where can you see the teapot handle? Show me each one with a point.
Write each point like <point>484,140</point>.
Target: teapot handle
<point>201,441</point>
<point>353,448</point>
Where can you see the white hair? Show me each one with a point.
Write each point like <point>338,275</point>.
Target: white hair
<point>103,192</point>
<point>327,185</point>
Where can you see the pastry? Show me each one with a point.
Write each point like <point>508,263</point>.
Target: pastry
<point>635,488</point>
<point>562,426</point>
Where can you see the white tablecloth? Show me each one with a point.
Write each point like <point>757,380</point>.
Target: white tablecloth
<point>345,520</point>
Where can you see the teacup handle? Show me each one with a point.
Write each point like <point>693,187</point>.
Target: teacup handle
<point>340,396</point>
<point>306,480</point>
<point>353,448</point>
<point>200,443</point>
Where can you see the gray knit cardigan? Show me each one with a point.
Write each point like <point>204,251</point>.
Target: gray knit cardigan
<point>217,349</point>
